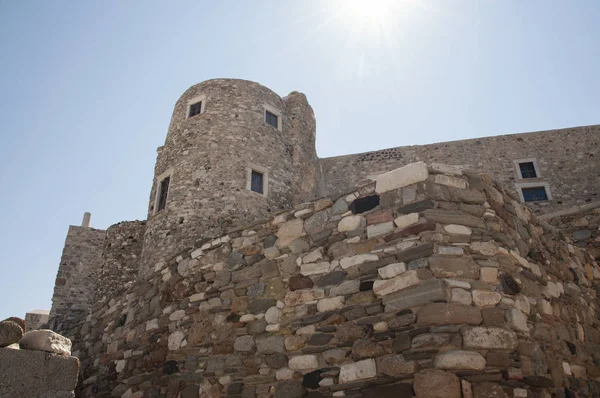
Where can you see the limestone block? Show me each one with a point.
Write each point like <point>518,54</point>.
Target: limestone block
<point>395,366</point>
<point>314,256</point>
<point>450,181</point>
<point>289,232</point>
<point>485,298</point>
<point>448,314</point>
<point>330,304</point>
<point>346,287</point>
<point>454,229</point>
<point>487,338</point>
<point>517,320</point>
<point>434,383</point>
<point>401,177</point>
<point>360,370</point>
<point>450,251</point>
<point>391,270</point>
<point>304,362</point>
<point>459,359</point>
<point>45,340</point>
<point>273,315</point>
<point>350,223</point>
<point>284,374</point>
<point>315,268</point>
<point>454,267</point>
<point>26,373</point>
<point>385,287</point>
<point>348,262</point>
<point>376,230</point>
<point>407,220</point>
<point>488,275</point>
<point>486,248</point>
<point>175,340</point>
<point>423,293</point>
<point>302,296</point>
<point>461,296</point>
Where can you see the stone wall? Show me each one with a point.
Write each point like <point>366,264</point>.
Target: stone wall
<point>580,225</point>
<point>567,160</point>
<point>76,278</point>
<point>430,282</point>
<point>209,156</point>
<point>120,257</point>
<point>35,319</point>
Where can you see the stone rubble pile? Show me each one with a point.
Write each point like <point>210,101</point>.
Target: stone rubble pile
<point>13,335</point>
<point>432,281</point>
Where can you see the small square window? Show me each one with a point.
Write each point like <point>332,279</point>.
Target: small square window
<point>271,118</point>
<point>534,194</point>
<point>163,193</point>
<point>527,170</point>
<point>256,182</point>
<point>195,109</point>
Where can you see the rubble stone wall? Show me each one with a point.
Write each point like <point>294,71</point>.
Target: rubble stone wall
<point>567,160</point>
<point>580,225</point>
<point>431,282</point>
<point>76,278</point>
<point>208,158</point>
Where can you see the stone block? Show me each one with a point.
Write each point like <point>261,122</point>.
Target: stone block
<point>407,220</point>
<point>450,181</point>
<point>461,296</point>
<point>350,223</point>
<point>302,296</point>
<point>434,383</point>
<point>360,370</point>
<point>388,286</point>
<point>454,267</point>
<point>454,229</point>
<point>26,373</point>
<point>348,262</point>
<point>45,340</point>
<point>447,314</point>
<point>330,304</point>
<point>459,360</point>
<point>289,232</point>
<point>376,230</point>
<point>391,270</point>
<point>401,177</point>
<point>487,338</point>
<point>303,362</point>
<point>453,217</point>
<point>485,298</point>
<point>315,268</point>
<point>423,293</point>
<point>395,366</point>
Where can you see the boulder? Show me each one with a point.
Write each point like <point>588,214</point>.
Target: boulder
<point>45,340</point>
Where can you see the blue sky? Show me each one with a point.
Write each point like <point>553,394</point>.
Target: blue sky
<point>88,88</point>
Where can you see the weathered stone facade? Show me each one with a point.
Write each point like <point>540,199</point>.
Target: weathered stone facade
<point>432,281</point>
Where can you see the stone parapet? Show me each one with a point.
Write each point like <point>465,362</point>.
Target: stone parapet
<point>431,281</point>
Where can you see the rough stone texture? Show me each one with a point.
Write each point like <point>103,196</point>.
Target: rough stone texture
<point>45,340</point>
<point>37,374</point>
<point>364,369</point>
<point>401,177</point>
<point>432,383</point>
<point>10,333</point>
<point>36,318</point>
<point>246,318</point>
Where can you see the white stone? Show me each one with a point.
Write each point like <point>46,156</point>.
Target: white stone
<point>489,338</point>
<point>284,374</point>
<point>461,296</point>
<point>384,287</point>
<point>177,315</point>
<point>376,230</point>
<point>350,223</point>
<point>450,250</point>
<point>271,253</point>
<point>485,248</point>
<point>304,362</point>
<point>551,290</point>
<point>459,360</point>
<point>488,274</point>
<point>306,330</point>
<point>289,232</point>
<point>247,318</point>
<point>196,253</point>
<point>45,340</point>
<point>520,393</point>
<point>485,298</point>
<point>567,368</point>
<point>401,177</point>
<point>314,256</point>
<point>391,270</point>
<point>360,370</point>
<point>522,304</point>
<point>315,268</point>
<point>544,306</point>
<point>348,262</point>
<point>407,244</point>
<point>380,326</point>
<point>303,213</point>
<point>457,283</point>
<point>407,220</point>
<point>175,340</point>
<point>517,320</point>
<point>272,328</point>
<point>273,315</point>
<point>330,304</point>
<point>196,297</point>
<point>454,229</point>
<point>450,181</point>
<point>120,365</point>
<point>152,324</point>
<point>446,168</point>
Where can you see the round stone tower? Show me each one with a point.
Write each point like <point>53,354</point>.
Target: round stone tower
<point>235,152</point>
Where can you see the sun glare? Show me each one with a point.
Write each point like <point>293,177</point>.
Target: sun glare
<point>371,11</point>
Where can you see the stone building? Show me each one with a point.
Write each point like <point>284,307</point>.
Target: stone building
<point>259,262</point>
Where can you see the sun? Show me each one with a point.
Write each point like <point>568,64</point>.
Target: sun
<point>368,12</point>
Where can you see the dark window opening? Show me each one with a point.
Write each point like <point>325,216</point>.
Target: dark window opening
<point>367,203</point>
<point>256,182</point>
<point>535,194</point>
<point>271,119</point>
<point>195,109</point>
<point>527,170</point>
<point>162,194</point>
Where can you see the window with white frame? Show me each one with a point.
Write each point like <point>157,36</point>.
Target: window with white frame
<point>162,191</point>
<point>272,116</point>
<point>195,106</point>
<point>534,191</point>
<point>257,179</point>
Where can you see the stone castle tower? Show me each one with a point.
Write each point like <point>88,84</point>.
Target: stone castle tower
<point>224,134</point>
